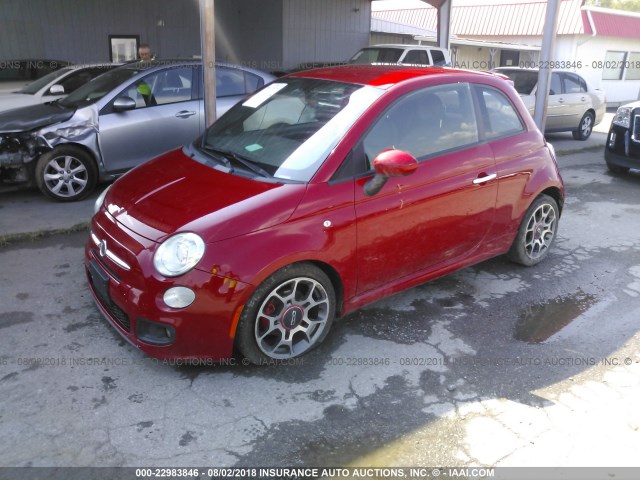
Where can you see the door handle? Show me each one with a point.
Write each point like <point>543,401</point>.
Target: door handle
<point>486,178</point>
<point>185,114</point>
<point>583,99</point>
<point>561,100</point>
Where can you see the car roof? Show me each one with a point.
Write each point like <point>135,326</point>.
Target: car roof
<point>385,75</point>
<point>404,46</point>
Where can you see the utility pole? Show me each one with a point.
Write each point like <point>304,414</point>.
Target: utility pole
<point>208,48</point>
<point>546,57</point>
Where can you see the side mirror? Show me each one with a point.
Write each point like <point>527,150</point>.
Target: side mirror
<point>389,163</point>
<point>123,104</point>
<point>56,90</point>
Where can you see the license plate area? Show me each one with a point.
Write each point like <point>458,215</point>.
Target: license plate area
<point>100,281</point>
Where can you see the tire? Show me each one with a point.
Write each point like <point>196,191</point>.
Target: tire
<point>289,314</point>
<point>536,233</point>
<point>585,127</point>
<point>616,168</point>
<point>66,174</point>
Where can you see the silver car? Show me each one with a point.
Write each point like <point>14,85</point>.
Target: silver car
<point>116,121</point>
<point>54,85</point>
<point>574,105</point>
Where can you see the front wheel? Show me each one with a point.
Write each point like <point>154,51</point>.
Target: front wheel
<point>585,127</point>
<point>289,314</point>
<point>66,174</point>
<point>536,232</point>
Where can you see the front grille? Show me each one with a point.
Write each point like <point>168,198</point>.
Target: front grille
<point>635,126</point>
<point>120,316</point>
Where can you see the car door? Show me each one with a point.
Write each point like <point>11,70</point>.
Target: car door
<point>167,115</point>
<point>576,99</point>
<point>440,213</point>
<point>558,109</point>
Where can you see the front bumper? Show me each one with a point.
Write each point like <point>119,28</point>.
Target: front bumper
<point>623,145</point>
<point>129,293</point>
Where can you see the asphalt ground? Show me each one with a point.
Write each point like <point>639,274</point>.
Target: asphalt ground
<point>495,365</point>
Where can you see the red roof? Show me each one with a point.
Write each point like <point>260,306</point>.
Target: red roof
<point>611,25</point>
<point>519,19</point>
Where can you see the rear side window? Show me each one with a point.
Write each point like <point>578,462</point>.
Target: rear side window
<point>574,84</point>
<point>416,57</point>
<point>500,116</point>
<point>438,57</point>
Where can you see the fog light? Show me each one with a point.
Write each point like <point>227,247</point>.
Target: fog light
<point>179,297</point>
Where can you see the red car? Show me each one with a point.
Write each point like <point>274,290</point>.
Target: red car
<point>321,193</point>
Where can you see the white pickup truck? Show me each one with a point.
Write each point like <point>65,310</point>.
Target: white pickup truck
<point>422,55</point>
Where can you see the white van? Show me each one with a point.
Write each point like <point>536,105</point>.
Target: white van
<point>422,55</point>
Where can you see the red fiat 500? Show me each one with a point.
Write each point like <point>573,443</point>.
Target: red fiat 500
<point>324,191</point>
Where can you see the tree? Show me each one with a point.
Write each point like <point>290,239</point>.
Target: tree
<point>628,5</point>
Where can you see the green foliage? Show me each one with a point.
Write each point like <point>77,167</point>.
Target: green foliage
<point>628,5</point>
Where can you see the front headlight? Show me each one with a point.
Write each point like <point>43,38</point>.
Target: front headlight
<point>178,254</point>
<point>100,200</point>
<point>623,117</point>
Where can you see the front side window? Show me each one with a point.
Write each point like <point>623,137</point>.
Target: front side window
<point>425,123</point>
<point>500,115</point>
<point>290,127</point>
<point>162,88</point>
<point>98,87</point>
<point>555,85</point>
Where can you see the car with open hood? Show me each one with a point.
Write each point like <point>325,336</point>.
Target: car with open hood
<point>116,121</point>
<point>324,191</point>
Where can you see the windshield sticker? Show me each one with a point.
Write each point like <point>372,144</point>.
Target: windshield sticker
<point>264,95</point>
<point>253,148</point>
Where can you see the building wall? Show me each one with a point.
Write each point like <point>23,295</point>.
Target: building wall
<point>249,32</point>
<point>324,30</point>
<point>78,30</point>
<point>591,51</point>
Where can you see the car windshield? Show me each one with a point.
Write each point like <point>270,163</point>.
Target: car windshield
<point>97,88</point>
<point>34,87</point>
<point>377,55</point>
<point>289,128</point>
<point>523,80</point>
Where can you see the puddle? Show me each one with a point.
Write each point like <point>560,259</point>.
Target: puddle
<point>539,321</point>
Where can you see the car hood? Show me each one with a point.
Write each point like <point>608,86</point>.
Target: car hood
<point>174,193</point>
<point>16,100</point>
<point>30,118</point>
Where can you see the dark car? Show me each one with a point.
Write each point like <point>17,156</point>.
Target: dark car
<point>622,151</point>
<point>324,191</point>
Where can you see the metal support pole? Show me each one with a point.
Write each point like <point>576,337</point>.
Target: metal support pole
<point>208,47</point>
<point>547,54</point>
<point>444,24</point>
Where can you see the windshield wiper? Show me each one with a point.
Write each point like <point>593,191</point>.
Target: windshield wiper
<point>248,164</point>
<point>216,155</point>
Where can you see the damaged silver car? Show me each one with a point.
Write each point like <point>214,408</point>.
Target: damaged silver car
<point>116,121</point>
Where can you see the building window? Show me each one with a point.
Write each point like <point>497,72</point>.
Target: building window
<point>613,65</point>
<point>633,66</point>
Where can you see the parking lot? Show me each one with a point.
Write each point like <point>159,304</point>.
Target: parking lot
<point>496,365</point>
